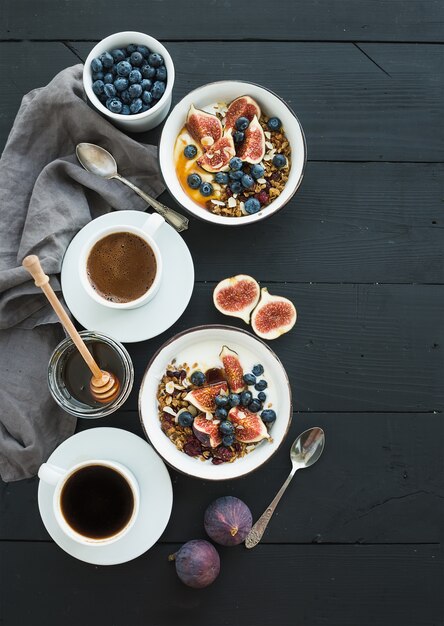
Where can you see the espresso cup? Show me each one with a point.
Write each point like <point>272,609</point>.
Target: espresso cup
<point>147,232</point>
<point>68,515</point>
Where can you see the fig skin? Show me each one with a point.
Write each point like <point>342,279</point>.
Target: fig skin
<point>233,369</point>
<point>197,563</point>
<point>273,316</point>
<point>253,428</point>
<point>197,397</point>
<point>217,156</point>
<point>204,127</point>
<point>228,521</point>
<point>244,106</point>
<point>207,432</point>
<point>237,296</point>
<point>252,149</point>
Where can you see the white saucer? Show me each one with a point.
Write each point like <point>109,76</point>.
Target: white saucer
<point>154,317</point>
<point>156,493</point>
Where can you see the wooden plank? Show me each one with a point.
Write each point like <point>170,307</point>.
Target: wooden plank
<point>338,20</point>
<point>350,108</point>
<point>379,481</point>
<point>309,585</point>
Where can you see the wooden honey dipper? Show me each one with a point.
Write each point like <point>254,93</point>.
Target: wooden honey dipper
<point>104,386</point>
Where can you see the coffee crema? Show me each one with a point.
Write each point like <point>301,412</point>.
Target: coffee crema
<point>121,267</point>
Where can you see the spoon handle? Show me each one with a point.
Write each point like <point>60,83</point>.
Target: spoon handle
<point>175,219</point>
<point>255,534</point>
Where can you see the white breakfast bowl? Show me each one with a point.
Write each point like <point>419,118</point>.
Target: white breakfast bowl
<point>227,91</point>
<point>139,122</point>
<point>208,340</point>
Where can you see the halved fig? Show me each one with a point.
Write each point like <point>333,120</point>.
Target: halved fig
<point>248,427</point>
<point>207,431</point>
<point>237,296</point>
<point>217,157</point>
<point>273,316</point>
<point>252,149</point>
<point>233,369</point>
<point>204,397</point>
<point>203,127</point>
<point>244,106</point>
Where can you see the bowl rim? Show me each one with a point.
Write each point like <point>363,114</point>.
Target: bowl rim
<point>171,74</point>
<point>218,327</point>
<point>241,222</point>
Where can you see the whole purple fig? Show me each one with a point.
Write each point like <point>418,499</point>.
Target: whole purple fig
<point>197,563</point>
<point>228,521</point>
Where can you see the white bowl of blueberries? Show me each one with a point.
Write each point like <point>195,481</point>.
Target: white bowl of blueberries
<point>129,77</point>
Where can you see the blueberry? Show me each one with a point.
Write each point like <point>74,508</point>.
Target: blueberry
<point>268,415</point>
<point>261,385</point>
<point>98,76</point>
<point>257,171</point>
<point>136,59</point>
<point>118,55</point>
<point>135,76</point>
<point>125,110</point>
<point>194,181</point>
<point>245,398</point>
<point>235,163</point>
<point>148,71</point>
<point>258,369</point>
<point>123,68</point>
<point>107,60</point>
<point>158,90</point>
<point>125,97</point>
<point>261,396</point>
<point>197,377</point>
<point>238,136</point>
<point>250,379</point>
<point>206,189</point>
<point>221,178</point>
<point>274,123</point>
<point>221,413</point>
<point>147,98</point>
<point>254,406</point>
<point>110,90</point>
<point>252,205</point>
<point>136,105</point>
<point>108,78</point>
<point>226,427</point>
<point>247,181</point>
<point>237,175</point>
<point>228,440</point>
<point>185,418</point>
<point>98,86</point>
<point>161,73</point>
<point>121,84</point>
<point>242,123</point>
<point>236,186</point>
<point>221,400</point>
<point>131,48</point>
<point>190,151</point>
<point>155,59</point>
<point>145,107</point>
<point>234,399</point>
<point>96,65</point>
<point>114,105</point>
<point>279,160</point>
<point>146,84</point>
<point>144,51</point>
<point>135,91</point>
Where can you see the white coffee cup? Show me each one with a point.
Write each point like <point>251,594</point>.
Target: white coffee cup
<point>58,476</point>
<point>148,232</point>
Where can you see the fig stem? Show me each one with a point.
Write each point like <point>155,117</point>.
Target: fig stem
<point>172,557</point>
<point>234,531</point>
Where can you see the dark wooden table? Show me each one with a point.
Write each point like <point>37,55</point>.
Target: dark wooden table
<point>360,250</point>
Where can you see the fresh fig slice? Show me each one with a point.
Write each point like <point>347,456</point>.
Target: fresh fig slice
<point>233,369</point>
<point>217,157</point>
<point>203,398</point>
<point>249,428</point>
<point>273,316</point>
<point>252,149</point>
<point>244,106</point>
<point>203,127</point>
<point>237,296</point>
<point>207,431</point>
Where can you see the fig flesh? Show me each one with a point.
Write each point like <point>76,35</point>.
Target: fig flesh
<point>197,563</point>
<point>218,155</point>
<point>252,149</point>
<point>244,106</point>
<point>237,296</point>
<point>249,428</point>
<point>228,521</point>
<point>203,127</point>
<point>204,397</point>
<point>207,431</point>
<point>273,316</point>
<point>233,369</point>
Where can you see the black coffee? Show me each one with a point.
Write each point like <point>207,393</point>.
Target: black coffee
<point>97,501</point>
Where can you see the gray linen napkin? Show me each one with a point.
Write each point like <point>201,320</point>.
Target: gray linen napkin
<point>45,198</point>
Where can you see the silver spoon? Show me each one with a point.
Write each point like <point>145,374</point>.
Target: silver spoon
<point>100,162</point>
<point>305,451</point>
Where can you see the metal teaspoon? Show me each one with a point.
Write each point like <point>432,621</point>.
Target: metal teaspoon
<point>99,161</point>
<point>305,451</point>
